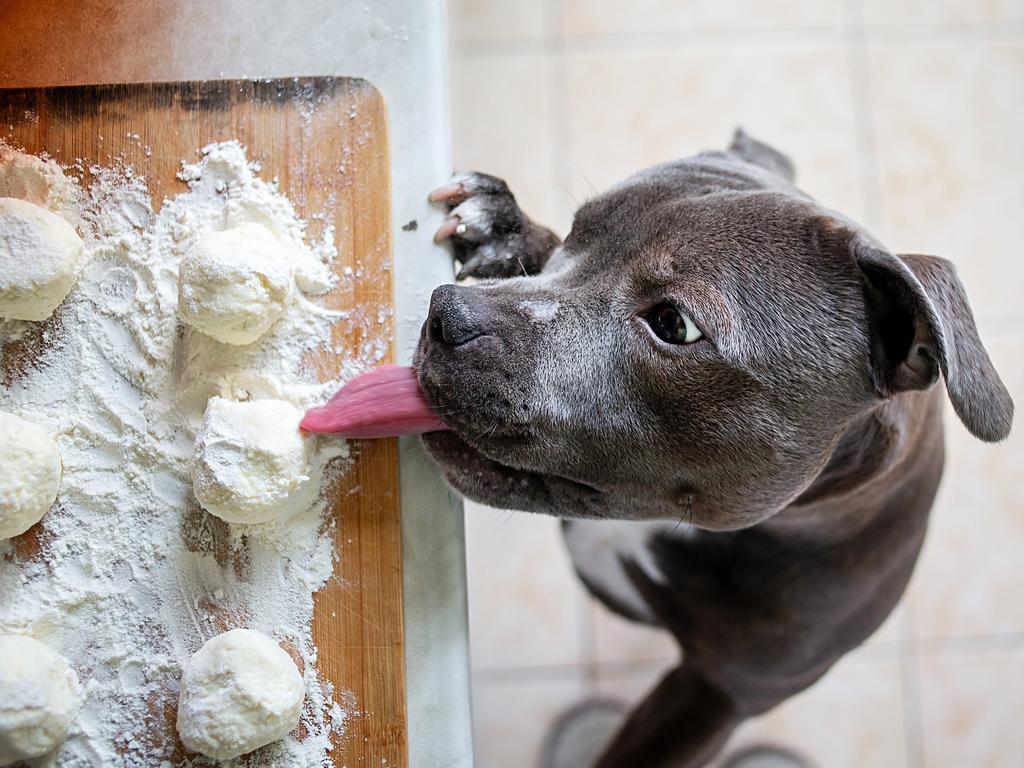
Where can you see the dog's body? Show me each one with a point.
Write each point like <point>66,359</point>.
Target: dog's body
<point>727,392</point>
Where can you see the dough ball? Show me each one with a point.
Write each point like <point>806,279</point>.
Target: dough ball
<point>30,476</point>
<point>40,256</point>
<point>250,460</point>
<point>239,692</point>
<point>235,284</point>
<point>39,698</point>
<point>23,176</point>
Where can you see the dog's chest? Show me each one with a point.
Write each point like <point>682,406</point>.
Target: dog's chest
<point>601,549</point>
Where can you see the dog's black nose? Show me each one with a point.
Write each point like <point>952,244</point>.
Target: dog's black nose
<point>456,315</point>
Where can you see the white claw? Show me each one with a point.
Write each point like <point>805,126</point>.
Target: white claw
<point>448,228</point>
<point>454,189</point>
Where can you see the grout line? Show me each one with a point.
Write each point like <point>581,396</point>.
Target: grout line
<point>726,38</point>
<point>970,644</point>
<point>547,672</point>
<point>860,91</point>
<point>993,32</point>
<point>657,42</point>
<point>877,650</point>
<point>528,674</point>
<point>587,640</point>
<point>910,679</point>
<point>515,46</point>
<point>910,683</point>
<point>637,666</point>
<point>561,147</point>
<point>708,41</point>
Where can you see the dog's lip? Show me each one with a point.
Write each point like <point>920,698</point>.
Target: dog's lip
<point>450,442</point>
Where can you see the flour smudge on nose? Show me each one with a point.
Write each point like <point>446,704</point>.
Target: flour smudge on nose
<point>540,310</point>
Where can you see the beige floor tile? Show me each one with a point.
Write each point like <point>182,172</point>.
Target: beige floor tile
<point>618,641</point>
<point>630,111</point>
<point>851,718</point>
<point>525,604</point>
<point>611,17</point>
<point>510,719</point>
<point>941,11</point>
<point>971,707</point>
<point>971,574</point>
<point>495,19</point>
<point>946,118</point>
<point>502,125</point>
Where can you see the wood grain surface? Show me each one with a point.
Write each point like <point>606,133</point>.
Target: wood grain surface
<point>325,139</point>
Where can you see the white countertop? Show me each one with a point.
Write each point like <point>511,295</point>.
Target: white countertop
<point>400,47</point>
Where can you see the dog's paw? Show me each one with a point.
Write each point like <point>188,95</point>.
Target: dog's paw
<point>488,232</point>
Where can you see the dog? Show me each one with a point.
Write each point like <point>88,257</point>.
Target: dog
<point>728,393</point>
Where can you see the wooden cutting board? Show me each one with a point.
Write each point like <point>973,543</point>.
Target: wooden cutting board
<point>325,139</point>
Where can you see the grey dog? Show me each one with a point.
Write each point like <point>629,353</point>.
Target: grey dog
<point>726,390</point>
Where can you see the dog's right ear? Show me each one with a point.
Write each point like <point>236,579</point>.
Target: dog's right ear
<point>921,325</point>
<point>759,153</point>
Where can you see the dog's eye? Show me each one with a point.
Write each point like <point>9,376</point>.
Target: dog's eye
<point>672,326</point>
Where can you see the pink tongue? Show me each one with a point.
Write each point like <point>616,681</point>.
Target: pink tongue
<point>386,402</point>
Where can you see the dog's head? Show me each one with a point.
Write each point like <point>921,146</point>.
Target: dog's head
<point>693,351</point>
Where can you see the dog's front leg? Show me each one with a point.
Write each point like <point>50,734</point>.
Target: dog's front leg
<point>682,723</point>
<point>489,233</point>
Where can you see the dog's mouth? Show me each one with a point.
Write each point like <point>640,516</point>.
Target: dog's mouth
<point>473,460</point>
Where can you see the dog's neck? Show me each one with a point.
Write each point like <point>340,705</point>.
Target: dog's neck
<point>863,471</point>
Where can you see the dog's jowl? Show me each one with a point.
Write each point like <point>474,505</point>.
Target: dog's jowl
<point>733,397</point>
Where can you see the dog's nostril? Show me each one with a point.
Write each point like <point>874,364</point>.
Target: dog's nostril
<point>455,317</point>
<point>456,332</point>
<point>436,328</point>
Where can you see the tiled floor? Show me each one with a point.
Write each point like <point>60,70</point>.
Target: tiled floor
<point>906,114</point>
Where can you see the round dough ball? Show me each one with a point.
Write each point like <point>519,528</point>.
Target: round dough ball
<point>39,698</point>
<point>40,256</point>
<point>235,284</point>
<point>239,692</point>
<point>31,474</point>
<point>250,460</point>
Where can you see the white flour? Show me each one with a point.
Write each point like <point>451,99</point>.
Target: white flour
<point>132,576</point>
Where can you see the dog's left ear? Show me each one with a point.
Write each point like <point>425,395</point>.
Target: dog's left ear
<point>921,325</point>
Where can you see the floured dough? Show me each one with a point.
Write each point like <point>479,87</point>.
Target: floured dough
<point>239,692</point>
<point>233,285</point>
<point>30,473</point>
<point>250,460</point>
<point>23,176</point>
<point>39,698</point>
<point>40,257</point>
<point>38,181</point>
